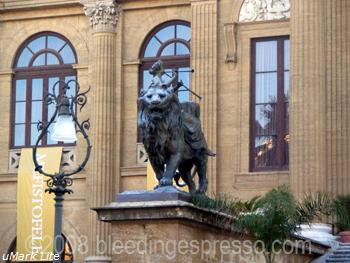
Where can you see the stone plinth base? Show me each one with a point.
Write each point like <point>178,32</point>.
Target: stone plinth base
<point>97,259</point>
<point>160,194</point>
<point>177,231</point>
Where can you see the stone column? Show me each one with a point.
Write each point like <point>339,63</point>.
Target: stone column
<point>338,96</point>
<point>104,15</point>
<point>204,80</point>
<point>308,97</point>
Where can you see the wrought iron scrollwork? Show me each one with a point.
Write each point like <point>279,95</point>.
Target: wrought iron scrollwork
<point>81,99</point>
<point>59,183</point>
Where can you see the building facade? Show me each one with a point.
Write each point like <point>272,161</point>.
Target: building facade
<point>273,77</point>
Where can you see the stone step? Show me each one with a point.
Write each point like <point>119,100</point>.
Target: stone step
<point>344,245</point>
<point>339,256</point>
<point>342,251</point>
<point>338,260</point>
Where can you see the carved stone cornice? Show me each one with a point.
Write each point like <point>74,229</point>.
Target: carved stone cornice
<point>103,14</point>
<point>262,10</point>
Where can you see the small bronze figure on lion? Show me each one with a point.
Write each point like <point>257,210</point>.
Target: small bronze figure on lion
<point>172,133</point>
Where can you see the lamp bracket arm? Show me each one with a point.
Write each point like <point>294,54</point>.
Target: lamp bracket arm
<point>81,100</point>
<point>43,128</point>
<point>85,125</point>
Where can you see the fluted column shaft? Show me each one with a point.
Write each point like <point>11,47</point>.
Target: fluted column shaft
<point>104,128</point>
<point>204,82</point>
<point>308,97</point>
<point>338,96</point>
<point>104,15</point>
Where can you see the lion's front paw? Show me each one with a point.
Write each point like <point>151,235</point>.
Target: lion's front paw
<point>166,181</point>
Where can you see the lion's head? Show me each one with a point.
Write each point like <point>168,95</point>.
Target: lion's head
<point>157,100</point>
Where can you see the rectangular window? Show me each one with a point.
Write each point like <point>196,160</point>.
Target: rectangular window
<point>30,107</point>
<point>269,112</point>
<point>20,112</point>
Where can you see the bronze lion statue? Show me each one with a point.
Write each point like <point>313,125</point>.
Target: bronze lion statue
<point>172,134</point>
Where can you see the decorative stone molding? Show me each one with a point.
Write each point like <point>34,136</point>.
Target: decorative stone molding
<point>14,157</point>
<point>142,156</point>
<point>137,170</point>
<point>231,42</point>
<point>68,160</point>
<point>261,10</point>
<point>103,14</point>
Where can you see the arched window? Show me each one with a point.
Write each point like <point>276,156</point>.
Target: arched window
<point>169,42</point>
<point>40,62</point>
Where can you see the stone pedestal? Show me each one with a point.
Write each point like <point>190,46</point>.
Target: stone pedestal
<point>177,231</point>
<point>160,194</point>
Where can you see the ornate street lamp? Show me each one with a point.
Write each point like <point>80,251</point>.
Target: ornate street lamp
<point>65,130</point>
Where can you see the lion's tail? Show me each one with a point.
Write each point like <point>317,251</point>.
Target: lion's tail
<point>177,180</point>
<point>194,171</point>
<point>210,153</point>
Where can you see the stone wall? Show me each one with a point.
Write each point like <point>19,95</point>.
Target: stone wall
<point>319,32</point>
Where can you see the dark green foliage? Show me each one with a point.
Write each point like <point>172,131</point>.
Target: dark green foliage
<point>313,206</point>
<point>341,209</point>
<point>220,203</point>
<point>247,206</point>
<point>271,218</point>
<point>274,220</point>
<point>225,204</point>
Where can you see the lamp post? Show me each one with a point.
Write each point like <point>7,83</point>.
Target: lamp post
<point>65,130</point>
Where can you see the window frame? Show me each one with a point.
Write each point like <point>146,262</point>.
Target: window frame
<point>168,61</point>
<point>32,72</point>
<point>281,130</point>
<point>41,51</point>
<point>158,28</point>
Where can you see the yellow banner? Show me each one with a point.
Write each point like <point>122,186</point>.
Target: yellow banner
<point>35,208</point>
<point>153,182</point>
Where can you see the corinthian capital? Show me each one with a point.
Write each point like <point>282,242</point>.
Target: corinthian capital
<point>103,14</point>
